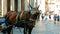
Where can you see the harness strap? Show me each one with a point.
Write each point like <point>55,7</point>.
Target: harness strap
<point>21,14</point>
<point>18,17</point>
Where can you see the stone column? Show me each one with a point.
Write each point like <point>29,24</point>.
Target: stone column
<point>4,7</point>
<point>32,3</point>
<point>36,3</point>
<point>19,5</point>
<point>16,5</point>
<point>12,7</point>
<point>22,4</point>
<point>26,5</point>
<point>8,5</point>
<point>0,8</point>
<point>46,6</point>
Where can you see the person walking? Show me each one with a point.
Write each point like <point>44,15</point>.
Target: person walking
<point>42,17</point>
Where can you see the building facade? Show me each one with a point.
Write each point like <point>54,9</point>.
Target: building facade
<point>18,5</point>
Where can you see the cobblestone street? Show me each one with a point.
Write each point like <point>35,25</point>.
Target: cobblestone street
<point>42,27</point>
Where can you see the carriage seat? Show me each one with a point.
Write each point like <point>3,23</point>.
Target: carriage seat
<point>2,20</point>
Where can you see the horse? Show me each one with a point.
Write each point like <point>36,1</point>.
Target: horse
<point>7,21</point>
<point>25,19</point>
<point>31,17</point>
<point>10,19</point>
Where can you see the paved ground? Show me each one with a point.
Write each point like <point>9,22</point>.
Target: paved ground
<point>42,27</point>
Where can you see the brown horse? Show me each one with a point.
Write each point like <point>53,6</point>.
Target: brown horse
<point>32,17</point>
<point>11,16</point>
<point>30,21</point>
<point>27,20</point>
<point>10,19</point>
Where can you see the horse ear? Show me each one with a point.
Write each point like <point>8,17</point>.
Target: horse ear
<point>30,6</point>
<point>38,6</point>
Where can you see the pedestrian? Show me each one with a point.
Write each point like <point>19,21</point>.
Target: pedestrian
<point>42,17</point>
<point>49,16</point>
<point>58,18</point>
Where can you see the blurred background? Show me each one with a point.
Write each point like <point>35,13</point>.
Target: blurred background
<point>49,21</point>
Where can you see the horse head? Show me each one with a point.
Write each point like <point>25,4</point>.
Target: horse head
<point>35,11</point>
